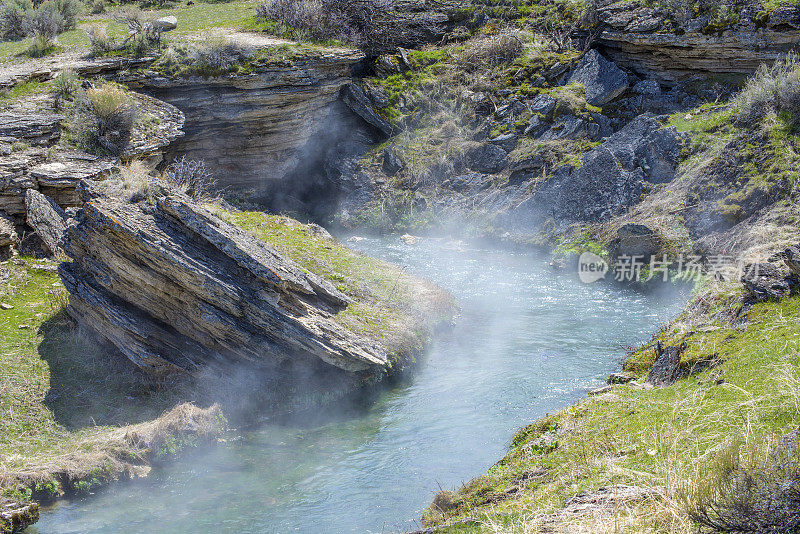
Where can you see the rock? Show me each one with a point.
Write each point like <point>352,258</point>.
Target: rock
<point>785,17</point>
<point>506,141</point>
<point>649,88</point>
<point>165,24</point>
<point>571,127</point>
<point>772,281</point>
<point>635,240</point>
<point>791,257</point>
<point>604,81</point>
<point>409,239</point>
<point>487,158</point>
<point>8,235</point>
<point>18,516</point>
<point>176,289</point>
<point>620,378</point>
<point>392,162</point>
<point>666,369</point>
<point>600,391</point>
<point>355,98</point>
<point>41,128</point>
<point>469,183</point>
<point>543,105</point>
<point>6,306</point>
<point>47,219</point>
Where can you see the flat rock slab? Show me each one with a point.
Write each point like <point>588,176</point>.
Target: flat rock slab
<point>47,219</point>
<point>666,369</point>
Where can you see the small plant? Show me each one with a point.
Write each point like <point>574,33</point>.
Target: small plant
<point>492,50</point>
<point>49,489</point>
<point>97,7</point>
<point>100,43</point>
<point>66,84</point>
<point>113,112</point>
<point>190,177</point>
<point>41,46</point>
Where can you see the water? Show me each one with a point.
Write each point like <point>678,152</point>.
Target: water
<point>529,341</point>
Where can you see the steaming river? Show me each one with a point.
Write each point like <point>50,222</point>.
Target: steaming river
<point>529,342</point>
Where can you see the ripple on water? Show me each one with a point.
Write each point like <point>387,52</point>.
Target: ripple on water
<point>528,342</point>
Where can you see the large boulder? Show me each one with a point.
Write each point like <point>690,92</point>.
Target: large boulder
<point>47,219</point>
<point>8,236</point>
<point>487,158</point>
<point>635,240</point>
<point>604,81</point>
<point>666,368</point>
<point>177,289</point>
<point>775,279</point>
<point>165,24</point>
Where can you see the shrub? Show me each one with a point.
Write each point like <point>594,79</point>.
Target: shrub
<point>190,177</point>
<point>97,7</point>
<point>752,492</point>
<point>217,56</point>
<point>774,89</point>
<point>41,46</point>
<point>491,51</point>
<point>45,21</point>
<point>375,26</point>
<point>66,84</point>
<point>14,15</point>
<point>100,43</point>
<point>114,113</point>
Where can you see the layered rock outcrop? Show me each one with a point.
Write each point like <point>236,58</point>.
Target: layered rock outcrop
<point>177,289</point>
<point>253,130</point>
<point>648,40</point>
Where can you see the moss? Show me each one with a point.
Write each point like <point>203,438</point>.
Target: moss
<point>390,306</point>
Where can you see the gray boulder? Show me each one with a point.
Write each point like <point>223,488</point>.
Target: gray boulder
<point>570,127</point>
<point>666,369</point>
<point>604,81</point>
<point>635,240</point>
<point>487,159</point>
<point>8,236</point>
<point>165,24</point>
<point>47,219</point>
<point>543,105</point>
<point>392,162</point>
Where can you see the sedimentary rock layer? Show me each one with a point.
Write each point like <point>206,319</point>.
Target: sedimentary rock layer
<point>175,288</point>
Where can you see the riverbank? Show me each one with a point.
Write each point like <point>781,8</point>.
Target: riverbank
<point>77,415</point>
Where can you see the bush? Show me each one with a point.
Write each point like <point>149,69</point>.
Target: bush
<point>14,15</point>
<point>491,51</point>
<point>97,7</point>
<point>44,22</point>
<point>66,84</point>
<point>114,113</point>
<point>749,493</point>
<point>217,56</point>
<point>42,45</point>
<point>190,177</point>
<point>375,26</point>
<point>774,89</point>
<point>100,43</point>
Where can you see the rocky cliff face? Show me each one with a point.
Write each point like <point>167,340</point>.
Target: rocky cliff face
<point>256,130</point>
<point>657,42</point>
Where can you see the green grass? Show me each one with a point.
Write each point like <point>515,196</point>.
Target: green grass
<point>390,305</point>
<point>63,395</point>
<point>650,437</point>
<point>191,19</point>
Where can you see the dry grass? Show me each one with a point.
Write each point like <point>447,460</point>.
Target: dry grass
<point>491,50</point>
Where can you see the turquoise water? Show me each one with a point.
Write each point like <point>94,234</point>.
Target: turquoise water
<point>529,341</point>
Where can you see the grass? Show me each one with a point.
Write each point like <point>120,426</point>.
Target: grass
<point>390,305</point>
<point>660,438</point>
<point>191,19</point>
<point>63,396</point>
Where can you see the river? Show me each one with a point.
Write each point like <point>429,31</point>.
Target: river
<point>529,341</point>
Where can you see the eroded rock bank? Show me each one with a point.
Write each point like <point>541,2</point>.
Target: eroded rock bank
<point>177,289</point>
